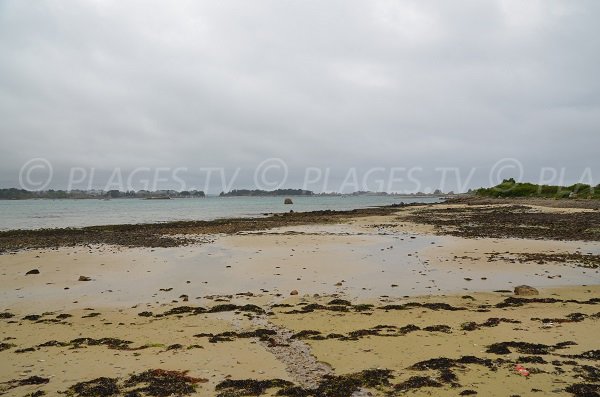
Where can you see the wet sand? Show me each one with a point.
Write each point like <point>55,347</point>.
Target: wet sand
<point>375,292</point>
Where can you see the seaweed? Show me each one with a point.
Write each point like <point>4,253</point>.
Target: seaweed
<point>53,343</point>
<point>512,301</point>
<point>228,307</point>
<point>33,380</point>
<point>25,350</point>
<point>587,355</point>
<point>180,310</point>
<point>305,334</point>
<point>329,386</point>
<point>416,382</point>
<point>112,343</point>
<point>6,315</point>
<point>98,387</point>
<point>6,346</point>
<point>439,328</point>
<point>163,383</point>
<point>532,360</point>
<point>154,382</point>
<point>228,336</point>
<point>32,317</point>
<point>145,314</point>
<point>339,302</point>
<point>248,387</point>
<point>430,306</point>
<point>38,393</point>
<point>446,363</point>
<point>584,389</point>
<point>526,348</point>
<point>490,322</point>
<point>589,373</point>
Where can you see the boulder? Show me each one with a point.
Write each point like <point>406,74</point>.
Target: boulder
<point>525,290</point>
<point>288,201</point>
<point>33,271</point>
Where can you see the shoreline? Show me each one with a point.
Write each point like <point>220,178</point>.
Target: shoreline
<point>181,233</point>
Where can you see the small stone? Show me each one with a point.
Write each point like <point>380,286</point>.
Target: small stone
<point>84,278</point>
<point>33,271</point>
<point>525,290</point>
<point>294,292</point>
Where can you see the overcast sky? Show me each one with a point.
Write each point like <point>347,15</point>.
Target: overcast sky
<point>326,84</point>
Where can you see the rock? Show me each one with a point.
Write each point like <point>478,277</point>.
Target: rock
<point>525,290</point>
<point>33,271</point>
<point>84,278</point>
<point>185,298</point>
<point>288,201</point>
<point>294,292</point>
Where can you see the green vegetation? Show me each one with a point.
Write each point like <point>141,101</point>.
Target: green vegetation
<point>511,188</point>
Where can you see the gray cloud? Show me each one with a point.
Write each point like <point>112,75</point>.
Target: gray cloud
<point>335,84</point>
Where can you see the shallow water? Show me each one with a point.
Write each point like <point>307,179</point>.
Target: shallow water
<point>368,265</point>
<point>35,214</point>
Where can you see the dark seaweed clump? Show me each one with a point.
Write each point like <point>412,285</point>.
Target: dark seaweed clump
<point>249,387</point>
<point>584,389</point>
<point>5,315</point>
<point>532,360</point>
<point>32,317</point>
<point>335,305</point>
<point>513,301</point>
<point>588,372</point>
<point>6,346</point>
<point>430,306</point>
<point>38,393</point>
<point>490,322</point>
<point>145,314</point>
<point>525,347</point>
<point>569,318</point>
<point>228,336</point>
<point>111,343</point>
<point>378,330</point>
<point>439,328</point>
<point>588,355</point>
<point>154,382</point>
<point>330,386</point>
<point>416,382</point>
<point>162,383</point>
<point>97,387</point>
<point>339,302</point>
<point>195,310</point>
<point>447,363</point>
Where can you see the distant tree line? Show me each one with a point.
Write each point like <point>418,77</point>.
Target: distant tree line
<point>278,192</point>
<point>22,194</point>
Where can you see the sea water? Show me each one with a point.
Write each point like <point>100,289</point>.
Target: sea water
<point>44,213</point>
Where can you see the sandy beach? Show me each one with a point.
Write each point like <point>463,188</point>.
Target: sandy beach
<point>401,301</point>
